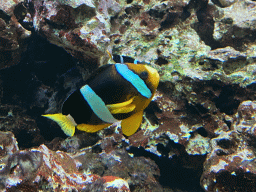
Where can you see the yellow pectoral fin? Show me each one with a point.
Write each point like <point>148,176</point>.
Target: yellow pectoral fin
<point>91,128</point>
<point>118,105</point>
<point>124,107</point>
<point>131,124</point>
<point>66,122</point>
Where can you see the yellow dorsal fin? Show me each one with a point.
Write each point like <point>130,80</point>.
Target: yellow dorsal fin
<point>110,56</point>
<point>66,122</point>
<point>124,107</point>
<point>131,124</point>
<point>91,128</point>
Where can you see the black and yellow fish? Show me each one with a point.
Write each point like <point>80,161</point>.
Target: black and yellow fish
<point>114,92</point>
<point>125,59</point>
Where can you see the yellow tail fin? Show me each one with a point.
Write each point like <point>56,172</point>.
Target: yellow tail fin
<point>66,122</point>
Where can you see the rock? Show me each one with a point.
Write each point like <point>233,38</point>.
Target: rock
<point>139,172</point>
<point>37,86</point>
<point>201,121</point>
<point>230,166</point>
<point>12,33</point>
<point>224,3</point>
<point>245,120</point>
<point>230,59</point>
<point>235,25</point>
<point>80,27</point>
<point>75,143</point>
<point>8,144</point>
<point>43,169</point>
<point>25,129</point>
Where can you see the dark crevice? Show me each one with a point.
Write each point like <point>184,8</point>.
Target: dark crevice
<point>26,84</point>
<point>24,139</point>
<point>185,14</point>
<point>172,172</point>
<point>201,131</point>
<point>205,26</point>
<point>5,16</point>
<point>150,112</point>
<point>55,25</point>
<point>133,10</point>
<point>20,11</point>
<point>252,141</point>
<point>168,21</point>
<point>240,181</point>
<point>205,29</point>
<point>157,14</point>
<point>196,109</point>
<point>226,101</point>
<point>217,2</point>
<point>220,152</point>
<point>41,63</point>
<point>96,149</point>
<point>225,143</point>
<point>229,123</point>
<point>161,61</point>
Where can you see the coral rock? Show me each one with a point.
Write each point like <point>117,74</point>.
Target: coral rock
<point>234,25</point>
<point>12,32</point>
<point>245,119</point>
<point>230,166</point>
<point>43,169</point>
<point>80,27</point>
<point>139,172</point>
<point>8,144</point>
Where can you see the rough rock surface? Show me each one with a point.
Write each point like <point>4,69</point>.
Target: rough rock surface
<point>12,31</point>
<point>231,164</point>
<point>43,169</point>
<point>8,144</point>
<point>139,172</point>
<point>201,122</point>
<point>81,27</point>
<point>25,129</point>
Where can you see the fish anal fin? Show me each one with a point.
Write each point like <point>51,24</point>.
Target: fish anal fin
<point>132,123</point>
<point>91,128</point>
<point>64,121</point>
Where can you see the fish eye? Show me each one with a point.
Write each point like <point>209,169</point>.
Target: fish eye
<point>144,75</point>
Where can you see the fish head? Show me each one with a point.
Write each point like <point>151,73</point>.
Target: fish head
<point>148,74</point>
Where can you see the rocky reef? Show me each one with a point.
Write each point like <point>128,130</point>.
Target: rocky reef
<point>199,131</point>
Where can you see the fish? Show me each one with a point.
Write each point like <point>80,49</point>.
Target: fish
<point>125,59</point>
<point>113,93</point>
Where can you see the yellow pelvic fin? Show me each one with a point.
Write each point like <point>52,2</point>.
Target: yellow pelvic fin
<point>131,124</point>
<point>91,128</point>
<point>124,107</point>
<point>66,122</point>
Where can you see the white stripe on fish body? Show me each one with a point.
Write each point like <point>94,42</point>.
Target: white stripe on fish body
<point>121,59</point>
<point>134,79</point>
<point>97,104</point>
